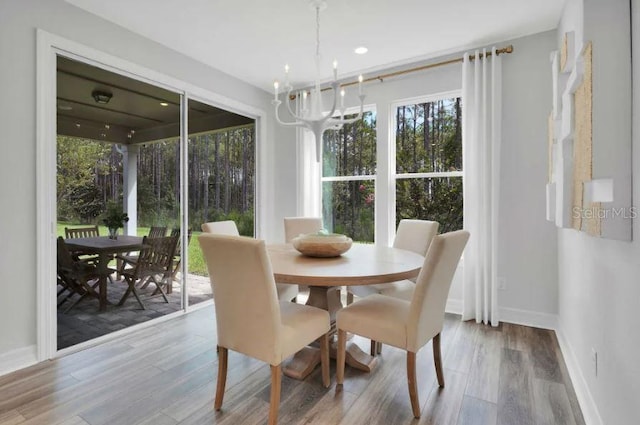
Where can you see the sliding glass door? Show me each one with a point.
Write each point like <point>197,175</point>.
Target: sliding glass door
<point>119,146</point>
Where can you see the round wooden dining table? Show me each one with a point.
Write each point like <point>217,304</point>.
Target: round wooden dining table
<point>363,264</point>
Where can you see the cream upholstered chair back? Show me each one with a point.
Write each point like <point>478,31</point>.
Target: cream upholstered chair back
<point>415,235</point>
<point>246,303</point>
<point>294,226</point>
<point>227,227</point>
<point>426,312</point>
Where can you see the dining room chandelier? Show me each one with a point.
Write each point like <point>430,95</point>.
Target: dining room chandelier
<point>311,113</point>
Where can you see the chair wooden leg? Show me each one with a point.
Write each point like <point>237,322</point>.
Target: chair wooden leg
<point>135,294</point>
<point>222,375</point>
<point>437,359</point>
<point>324,360</point>
<point>159,288</point>
<point>131,290</point>
<point>276,381</point>
<point>376,348</point>
<point>342,345</point>
<point>349,298</point>
<point>413,386</point>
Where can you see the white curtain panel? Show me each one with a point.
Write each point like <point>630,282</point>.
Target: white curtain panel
<point>481,137</point>
<point>308,171</point>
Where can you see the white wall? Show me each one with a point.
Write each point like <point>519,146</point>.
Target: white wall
<point>18,23</point>
<point>599,289</point>
<point>528,256</point>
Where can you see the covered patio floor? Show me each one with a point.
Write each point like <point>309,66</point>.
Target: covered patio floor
<point>84,322</point>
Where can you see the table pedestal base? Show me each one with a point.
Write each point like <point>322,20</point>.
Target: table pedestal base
<point>305,360</point>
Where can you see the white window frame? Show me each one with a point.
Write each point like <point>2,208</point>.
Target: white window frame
<point>392,148</point>
<point>362,177</point>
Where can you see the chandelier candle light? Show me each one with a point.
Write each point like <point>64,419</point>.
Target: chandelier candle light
<point>313,117</point>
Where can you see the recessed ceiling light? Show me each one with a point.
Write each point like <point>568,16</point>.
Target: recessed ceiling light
<point>65,107</point>
<point>164,104</point>
<point>361,50</point>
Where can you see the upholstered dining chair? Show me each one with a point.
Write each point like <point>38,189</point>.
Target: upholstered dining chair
<point>227,227</point>
<point>257,325</point>
<point>408,325</point>
<point>294,226</point>
<point>286,292</point>
<point>412,235</point>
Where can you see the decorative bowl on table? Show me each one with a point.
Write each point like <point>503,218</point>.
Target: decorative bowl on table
<point>322,244</point>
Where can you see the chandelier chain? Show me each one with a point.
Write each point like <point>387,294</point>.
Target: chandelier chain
<point>318,31</point>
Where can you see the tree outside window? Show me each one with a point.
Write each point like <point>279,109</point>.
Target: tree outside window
<point>429,162</point>
<point>348,178</point>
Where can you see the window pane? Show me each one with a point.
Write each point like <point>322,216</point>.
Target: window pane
<point>436,199</point>
<point>348,208</point>
<point>429,137</point>
<point>351,151</point>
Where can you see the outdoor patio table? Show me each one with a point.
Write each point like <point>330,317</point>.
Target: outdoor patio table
<point>363,264</point>
<point>105,248</point>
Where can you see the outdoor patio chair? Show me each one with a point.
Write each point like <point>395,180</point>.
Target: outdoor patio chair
<point>82,232</point>
<point>157,231</point>
<point>177,258</point>
<point>154,265</point>
<point>130,259</point>
<point>75,277</point>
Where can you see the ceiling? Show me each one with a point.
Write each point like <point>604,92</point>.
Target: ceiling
<point>254,39</point>
<point>136,112</point>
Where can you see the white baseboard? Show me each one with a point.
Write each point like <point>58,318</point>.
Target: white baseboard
<point>585,399</point>
<point>18,359</point>
<point>512,315</point>
<point>453,306</point>
<point>528,318</point>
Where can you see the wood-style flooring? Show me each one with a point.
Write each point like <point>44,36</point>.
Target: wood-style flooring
<point>166,375</point>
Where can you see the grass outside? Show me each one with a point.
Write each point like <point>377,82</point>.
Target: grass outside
<point>196,260</point>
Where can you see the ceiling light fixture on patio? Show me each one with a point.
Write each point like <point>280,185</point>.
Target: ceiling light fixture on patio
<point>312,117</point>
<point>102,97</point>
